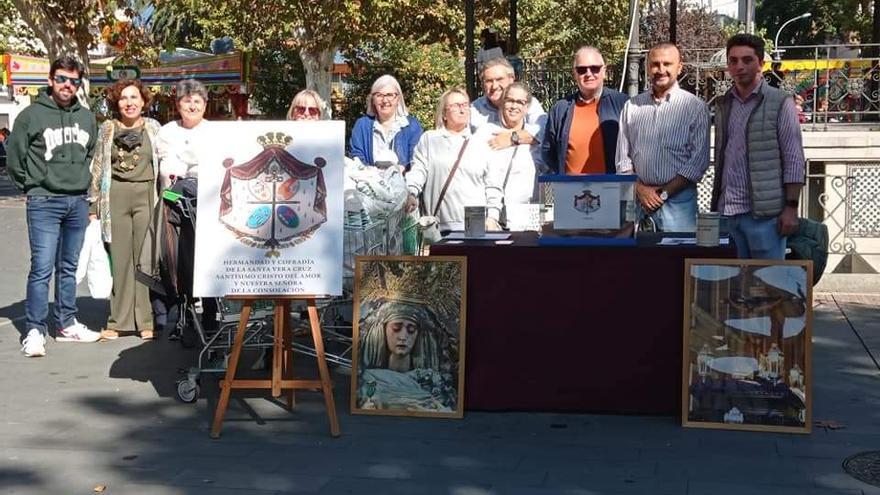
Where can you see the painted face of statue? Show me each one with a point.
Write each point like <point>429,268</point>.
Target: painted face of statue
<point>400,336</point>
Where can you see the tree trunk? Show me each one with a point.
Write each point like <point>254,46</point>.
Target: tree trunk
<point>319,71</point>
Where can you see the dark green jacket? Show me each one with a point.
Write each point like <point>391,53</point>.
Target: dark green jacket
<point>50,148</point>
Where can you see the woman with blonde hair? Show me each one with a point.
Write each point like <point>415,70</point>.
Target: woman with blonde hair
<point>307,105</point>
<point>387,134</point>
<point>445,177</point>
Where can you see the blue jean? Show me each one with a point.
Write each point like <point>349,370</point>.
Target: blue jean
<point>756,238</point>
<point>678,213</point>
<point>56,228</point>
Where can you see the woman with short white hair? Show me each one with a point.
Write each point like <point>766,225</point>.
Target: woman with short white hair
<point>387,134</point>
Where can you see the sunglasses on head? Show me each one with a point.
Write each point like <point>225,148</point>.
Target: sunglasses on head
<point>310,111</point>
<point>582,69</point>
<point>58,78</point>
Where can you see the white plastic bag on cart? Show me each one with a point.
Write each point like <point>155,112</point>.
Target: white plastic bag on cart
<point>94,263</point>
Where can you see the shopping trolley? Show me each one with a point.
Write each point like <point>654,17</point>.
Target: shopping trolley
<point>216,333</point>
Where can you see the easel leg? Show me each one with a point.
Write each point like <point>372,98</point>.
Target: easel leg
<point>288,360</point>
<point>226,384</point>
<point>278,345</point>
<point>326,385</point>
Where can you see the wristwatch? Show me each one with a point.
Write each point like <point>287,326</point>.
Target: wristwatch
<point>662,193</point>
<point>791,202</point>
<point>514,138</point>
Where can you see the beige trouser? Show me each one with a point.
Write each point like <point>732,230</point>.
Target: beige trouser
<point>130,210</point>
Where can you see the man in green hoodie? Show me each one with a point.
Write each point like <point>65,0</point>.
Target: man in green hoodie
<point>48,157</point>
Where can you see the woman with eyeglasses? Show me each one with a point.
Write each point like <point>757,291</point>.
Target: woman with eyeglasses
<point>516,166</point>
<point>444,155</point>
<point>387,134</point>
<point>307,105</point>
<point>125,169</point>
<point>180,144</point>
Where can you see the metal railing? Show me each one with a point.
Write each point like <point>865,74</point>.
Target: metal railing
<point>838,83</point>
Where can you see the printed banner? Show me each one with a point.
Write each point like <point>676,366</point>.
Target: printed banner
<point>270,209</point>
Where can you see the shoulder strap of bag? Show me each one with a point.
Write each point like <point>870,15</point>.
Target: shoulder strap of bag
<point>509,167</point>
<point>449,179</point>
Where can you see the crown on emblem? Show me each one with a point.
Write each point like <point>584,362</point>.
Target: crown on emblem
<point>274,139</point>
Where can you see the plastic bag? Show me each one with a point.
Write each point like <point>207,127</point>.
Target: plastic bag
<point>94,263</point>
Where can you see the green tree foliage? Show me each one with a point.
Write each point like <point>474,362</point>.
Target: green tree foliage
<point>64,27</point>
<point>696,27</point>
<point>832,20</point>
<point>15,35</point>
<point>554,27</point>
<point>278,75</point>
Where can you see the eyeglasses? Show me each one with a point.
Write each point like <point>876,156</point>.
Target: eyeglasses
<point>458,106</point>
<point>310,111</point>
<point>582,69</point>
<point>513,101</point>
<point>385,96</point>
<point>60,79</point>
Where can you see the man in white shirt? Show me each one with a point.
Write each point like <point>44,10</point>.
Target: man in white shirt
<point>496,76</point>
<point>664,139</point>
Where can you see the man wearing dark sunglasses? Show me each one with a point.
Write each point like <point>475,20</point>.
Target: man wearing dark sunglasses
<point>581,132</point>
<point>50,152</point>
<point>664,139</point>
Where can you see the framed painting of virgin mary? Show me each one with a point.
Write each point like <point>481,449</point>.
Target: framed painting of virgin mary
<point>409,336</point>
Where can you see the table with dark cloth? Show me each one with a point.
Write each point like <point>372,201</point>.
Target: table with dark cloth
<point>586,328</point>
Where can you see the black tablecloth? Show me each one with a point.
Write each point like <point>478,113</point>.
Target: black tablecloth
<point>591,329</point>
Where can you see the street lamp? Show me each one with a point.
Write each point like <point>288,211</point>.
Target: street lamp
<point>776,51</point>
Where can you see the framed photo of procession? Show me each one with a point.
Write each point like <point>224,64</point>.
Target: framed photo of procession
<point>747,345</point>
<point>409,336</point>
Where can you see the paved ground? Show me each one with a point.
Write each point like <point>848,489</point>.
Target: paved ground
<point>104,415</point>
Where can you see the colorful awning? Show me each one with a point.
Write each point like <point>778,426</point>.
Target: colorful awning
<point>216,70</point>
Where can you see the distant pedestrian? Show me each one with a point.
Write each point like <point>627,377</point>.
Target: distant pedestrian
<point>50,150</point>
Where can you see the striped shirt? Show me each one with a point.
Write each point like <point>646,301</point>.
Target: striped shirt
<point>659,140</point>
<point>735,195</point>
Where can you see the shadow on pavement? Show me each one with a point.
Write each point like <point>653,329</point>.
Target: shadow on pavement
<point>90,312</point>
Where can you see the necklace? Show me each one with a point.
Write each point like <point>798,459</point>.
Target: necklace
<point>128,143</point>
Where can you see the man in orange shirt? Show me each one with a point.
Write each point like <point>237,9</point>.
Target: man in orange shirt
<point>581,132</point>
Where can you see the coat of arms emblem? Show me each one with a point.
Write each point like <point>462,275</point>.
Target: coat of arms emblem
<point>587,202</point>
<point>274,201</point>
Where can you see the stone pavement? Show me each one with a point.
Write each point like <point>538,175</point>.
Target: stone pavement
<point>105,415</point>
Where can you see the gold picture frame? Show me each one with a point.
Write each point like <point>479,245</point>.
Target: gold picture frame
<point>409,336</point>
<point>746,348</point>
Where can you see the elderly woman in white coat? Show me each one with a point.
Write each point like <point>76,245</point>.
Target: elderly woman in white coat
<point>434,161</point>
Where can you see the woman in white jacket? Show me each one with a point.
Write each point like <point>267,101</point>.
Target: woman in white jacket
<point>434,158</point>
<point>515,166</point>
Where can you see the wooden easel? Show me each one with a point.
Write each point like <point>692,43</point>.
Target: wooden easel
<point>282,360</point>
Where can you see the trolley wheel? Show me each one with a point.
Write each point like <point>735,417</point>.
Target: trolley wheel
<point>187,391</point>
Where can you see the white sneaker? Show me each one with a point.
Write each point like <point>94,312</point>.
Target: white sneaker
<point>77,333</point>
<point>34,344</point>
